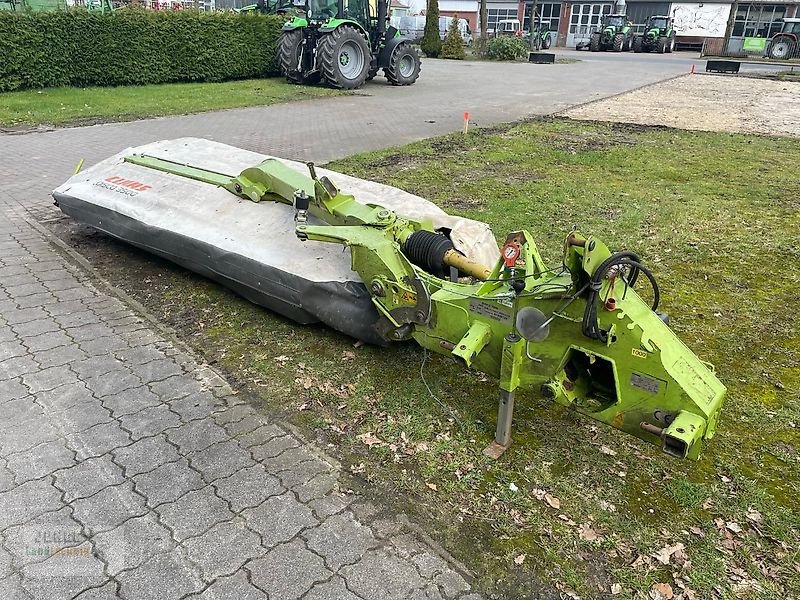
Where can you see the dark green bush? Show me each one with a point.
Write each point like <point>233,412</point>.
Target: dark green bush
<point>431,42</point>
<point>506,48</point>
<point>453,46</point>
<point>133,46</point>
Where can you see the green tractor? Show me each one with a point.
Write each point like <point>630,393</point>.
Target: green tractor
<point>616,34</point>
<point>342,44</point>
<point>658,36</point>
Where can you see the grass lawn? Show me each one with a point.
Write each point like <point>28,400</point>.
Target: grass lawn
<point>715,216</point>
<point>80,106</point>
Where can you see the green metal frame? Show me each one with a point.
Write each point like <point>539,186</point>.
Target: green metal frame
<point>643,380</point>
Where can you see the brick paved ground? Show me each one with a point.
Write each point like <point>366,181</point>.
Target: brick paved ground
<point>159,481</point>
<point>116,444</point>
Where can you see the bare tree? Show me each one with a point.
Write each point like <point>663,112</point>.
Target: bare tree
<point>484,25</point>
<point>534,40</point>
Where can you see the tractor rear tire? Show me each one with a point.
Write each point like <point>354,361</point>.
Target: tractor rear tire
<point>637,44</point>
<point>343,58</point>
<point>662,45</point>
<point>546,42</point>
<point>289,49</point>
<point>594,42</point>
<point>404,65</point>
<point>619,42</point>
<point>782,48</point>
<point>671,44</point>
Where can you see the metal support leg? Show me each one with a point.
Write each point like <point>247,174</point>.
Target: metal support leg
<point>502,438</point>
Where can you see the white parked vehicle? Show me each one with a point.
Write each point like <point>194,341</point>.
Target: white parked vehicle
<point>414,28</point>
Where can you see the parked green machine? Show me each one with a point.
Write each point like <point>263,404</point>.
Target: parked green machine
<point>576,331</point>
<point>342,44</point>
<point>543,36</point>
<point>658,36</point>
<point>616,34</point>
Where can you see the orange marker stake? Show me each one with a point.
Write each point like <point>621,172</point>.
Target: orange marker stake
<point>692,71</point>
<point>466,121</point>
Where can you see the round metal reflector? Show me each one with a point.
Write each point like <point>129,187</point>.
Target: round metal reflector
<point>531,324</point>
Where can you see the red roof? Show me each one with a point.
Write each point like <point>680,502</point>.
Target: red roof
<point>397,4</point>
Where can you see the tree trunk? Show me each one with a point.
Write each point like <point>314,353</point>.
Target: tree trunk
<point>484,23</point>
<point>729,27</point>
<point>531,26</point>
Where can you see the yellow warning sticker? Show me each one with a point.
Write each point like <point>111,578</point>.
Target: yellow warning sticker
<point>638,353</point>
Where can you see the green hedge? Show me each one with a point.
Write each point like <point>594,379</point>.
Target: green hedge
<point>133,46</point>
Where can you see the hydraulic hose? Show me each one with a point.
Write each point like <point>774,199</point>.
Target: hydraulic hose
<point>590,326</point>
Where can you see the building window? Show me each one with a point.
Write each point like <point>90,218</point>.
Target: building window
<point>758,20</point>
<point>500,14</point>
<point>586,18</point>
<point>548,12</point>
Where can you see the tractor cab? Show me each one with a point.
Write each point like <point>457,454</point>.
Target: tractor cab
<point>658,25</point>
<point>356,10</point>
<point>274,7</point>
<point>541,26</point>
<point>615,21</point>
<point>509,27</point>
<point>790,25</point>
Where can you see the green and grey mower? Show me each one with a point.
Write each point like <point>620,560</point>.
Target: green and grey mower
<point>616,34</point>
<point>658,36</point>
<point>342,44</point>
<point>388,267</point>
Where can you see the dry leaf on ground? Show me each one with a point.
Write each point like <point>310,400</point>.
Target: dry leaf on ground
<point>552,501</point>
<point>369,439</point>
<point>665,554</point>
<point>588,534</point>
<point>661,591</point>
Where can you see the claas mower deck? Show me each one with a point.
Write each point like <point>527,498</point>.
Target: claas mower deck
<point>576,332</point>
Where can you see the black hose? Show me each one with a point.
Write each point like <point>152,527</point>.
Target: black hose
<point>590,326</point>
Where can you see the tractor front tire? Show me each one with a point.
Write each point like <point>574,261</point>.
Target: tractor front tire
<point>637,44</point>
<point>343,58</point>
<point>782,48</point>
<point>290,46</point>
<point>662,45</point>
<point>619,42</point>
<point>404,65</point>
<point>594,42</point>
<point>547,42</point>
